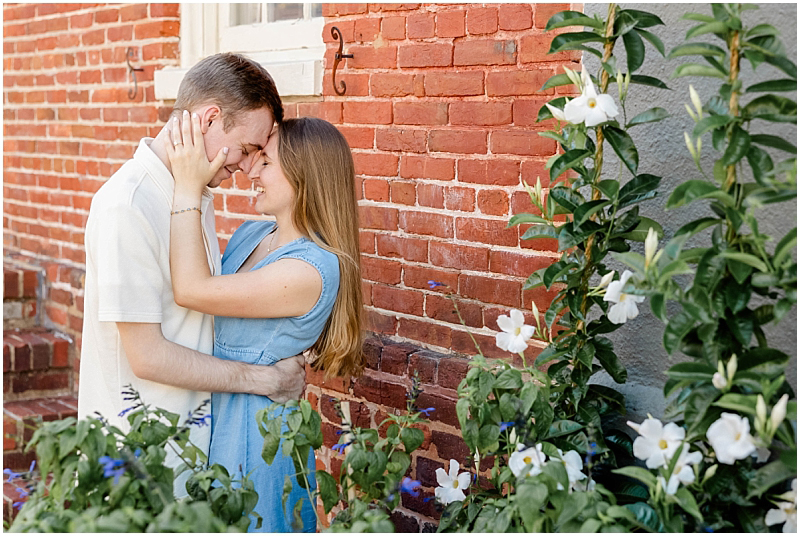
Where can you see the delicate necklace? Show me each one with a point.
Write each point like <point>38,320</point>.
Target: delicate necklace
<point>273,234</point>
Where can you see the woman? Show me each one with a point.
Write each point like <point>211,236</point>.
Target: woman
<point>286,285</point>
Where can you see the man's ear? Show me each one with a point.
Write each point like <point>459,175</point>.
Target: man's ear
<point>208,115</point>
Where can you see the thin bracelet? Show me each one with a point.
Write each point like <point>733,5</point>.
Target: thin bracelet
<point>173,212</point>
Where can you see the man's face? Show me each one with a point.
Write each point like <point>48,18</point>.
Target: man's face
<point>245,140</point>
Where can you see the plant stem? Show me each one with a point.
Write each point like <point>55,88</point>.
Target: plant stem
<point>308,487</point>
<point>733,109</point>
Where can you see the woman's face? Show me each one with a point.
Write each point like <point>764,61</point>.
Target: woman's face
<point>275,194</point>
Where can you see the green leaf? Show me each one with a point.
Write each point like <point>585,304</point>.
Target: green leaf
<point>509,379</point>
<point>699,17</point>
<point>637,187</point>
<point>654,40</point>
<point>563,19</point>
<point>639,473</point>
<point>555,81</point>
<point>771,108</point>
<point>658,306</point>
<point>691,371</point>
<point>696,49</point>
<point>738,403</point>
<point>761,30</point>
<point>568,160</point>
<point>687,502</point>
<point>695,69</point>
<point>760,162</point>
<point>566,197</point>
<point>634,49</point>
<point>516,219</point>
<point>540,231</point>
<point>643,18</point>
<point>412,438</point>
<point>563,427</point>
<point>677,328</point>
<point>586,210</point>
<point>784,247</point>
<point>604,352</point>
<point>623,24</point>
<point>608,187</point>
<point>639,233</point>
<point>768,476</point>
<point>715,27</point>
<point>688,191</point>
<point>649,116</point>
<point>328,490</point>
<point>644,80</point>
<point>624,147</point>
<point>709,123</point>
<point>696,226</point>
<point>746,258</point>
<point>564,40</point>
<point>488,435</point>
<point>784,64</point>
<point>270,447</point>
<point>785,84</point>
<point>773,141</point>
<point>737,147</point>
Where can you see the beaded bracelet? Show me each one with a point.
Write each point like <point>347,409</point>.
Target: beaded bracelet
<point>173,212</point>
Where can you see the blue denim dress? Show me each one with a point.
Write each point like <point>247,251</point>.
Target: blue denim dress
<point>235,439</point>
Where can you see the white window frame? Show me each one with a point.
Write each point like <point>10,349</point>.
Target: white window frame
<point>291,51</point>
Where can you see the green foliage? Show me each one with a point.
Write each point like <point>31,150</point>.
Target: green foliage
<point>95,478</point>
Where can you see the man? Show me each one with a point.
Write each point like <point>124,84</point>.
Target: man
<point>133,331</point>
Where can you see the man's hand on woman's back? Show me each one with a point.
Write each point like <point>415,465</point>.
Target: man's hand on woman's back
<point>292,379</point>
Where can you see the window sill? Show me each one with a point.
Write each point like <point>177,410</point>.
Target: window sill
<point>293,79</point>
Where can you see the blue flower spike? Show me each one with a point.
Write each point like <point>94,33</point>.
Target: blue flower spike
<point>11,474</point>
<point>32,467</point>
<point>427,411</point>
<point>410,486</point>
<point>505,425</point>
<point>112,467</point>
<point>433,284</point>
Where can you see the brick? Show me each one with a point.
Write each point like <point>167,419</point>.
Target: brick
<point>381,323</point>
<point>459,257</point>
<point>380,392</point>
<point>493,202</point>
<point>6,356</point>
<point>525,143</point>
<point>504,83</point>
<point>374,112</point>
<point>394,358</point>
<point>163,28</point>
<point>401,139</point>
<point>490,290</point>
<point>515,17</point>
<point>358,137</point>
<point>404,523</point>
<point>535,48</point>
<point>516,264</point>
<point>9,433</point>
<point>372,352</point>
<point>422,113</point>
<point>393,27</point>
<point>545,11</point>
<point>403,193</point>
<point>456,84</point>
<point>480,113</point>
<point>420,25</point>
<point>443,309</point>
<point>366,29</point>
<point>380,270</point>
<point>393,7</point>
<point>427,223</point>
<point>329,111</point>
<point>451,23</point>
<point>485,231</point>
<point>425,55</point>
<point>332,10</point>
<point>392,84</point>
<point>494,171</point>
<point>424,363</point>
<point>424,167</point>
<point>398,299</point>
<point>378,218</point>
<point>424,332</point>
<point>375,164</point>
<point>164,10</point>
<point>369,57</point>
<point>457,198</point>
<point>458,141</point>
<point>423,504</point>
<point>328,409</point>
<point>330,437</point>
<point>485,52</point>
<point>482,20</point>
<point>411,249</point>
<point>445,408</point>
<point>525,111</point>
<point>430,195</point>
<point>451,372</point>
<point>376,189</point>
<point>20,353</point>
<point>451,447</point>
<point>317,378</point>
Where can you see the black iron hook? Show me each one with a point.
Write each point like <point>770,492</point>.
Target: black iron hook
<point>337,58</point>
<point>132,70</point>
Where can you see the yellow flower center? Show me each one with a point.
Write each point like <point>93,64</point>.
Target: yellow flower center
<point>455,484</point>
<point>738,436</point>
<point>526,459</point>
<point>663,444</point>
<point>517,331</point>
<point>592,103</point>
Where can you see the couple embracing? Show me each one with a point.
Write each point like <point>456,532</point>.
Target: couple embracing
<point>164,312</point>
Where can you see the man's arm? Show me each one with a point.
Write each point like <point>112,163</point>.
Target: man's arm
<point>154,358</point>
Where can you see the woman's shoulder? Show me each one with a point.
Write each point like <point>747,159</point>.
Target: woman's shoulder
<point>311,252</point>
<point>250,228</point>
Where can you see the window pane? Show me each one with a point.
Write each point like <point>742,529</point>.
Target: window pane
<point>316,10</point>
<point>245,14</point>
<point>285,12</point>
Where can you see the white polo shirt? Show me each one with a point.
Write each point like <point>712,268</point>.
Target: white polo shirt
<point>128,280</point>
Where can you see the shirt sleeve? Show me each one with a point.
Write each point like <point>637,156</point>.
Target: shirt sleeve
<point>130,278</point>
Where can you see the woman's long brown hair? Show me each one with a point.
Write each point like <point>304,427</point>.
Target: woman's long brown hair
<point>317,162</point>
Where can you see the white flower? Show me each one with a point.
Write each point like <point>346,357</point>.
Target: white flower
<point>557,114</point>
<point>515,333</point>
<point>574,465</point>
<point>730,438</point>
<point>786,512</point>
<point>656,443</point>
<point>683,472</point>
<point>451,486</point>
<point>590,108</point>
<point>532,456</point>
<point>624,307</point>
<point>604,282</point>
<point>719,381</point>
<point>650,247</point>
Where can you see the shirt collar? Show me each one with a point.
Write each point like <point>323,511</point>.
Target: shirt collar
<point>158,171</point>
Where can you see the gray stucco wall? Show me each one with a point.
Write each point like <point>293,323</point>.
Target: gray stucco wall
<point>662,152</point>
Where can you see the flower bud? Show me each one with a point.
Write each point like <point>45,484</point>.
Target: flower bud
<point>698,104</point>
<point>573,77</point>
<point>606,279</point>
<point>733,364</point>
<point>719,381</point>
<point>689,145</point>
<point>557,114</point>
<point>711,471</point>
<point>512,437</point>
<point>778,413</point>
<point>650,246</point>
<point>761,413</point>
<point>538,190</point>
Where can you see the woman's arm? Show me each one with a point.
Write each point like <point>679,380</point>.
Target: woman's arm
<point>288,287</point>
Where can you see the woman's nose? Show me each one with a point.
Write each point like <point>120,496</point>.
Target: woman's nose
<point>252,173</point>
